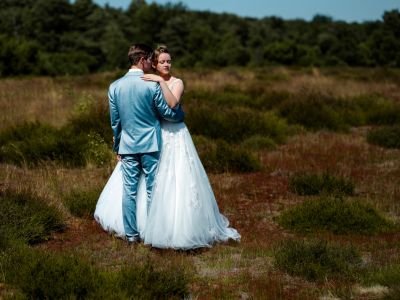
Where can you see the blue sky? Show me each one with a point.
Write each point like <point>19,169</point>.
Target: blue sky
<point>346,10</point>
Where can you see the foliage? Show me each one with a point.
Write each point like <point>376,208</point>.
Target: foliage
<point>33,143</point>
<point>41,275</point>
<point>82,203</point>
<point>86,37</point>
<point>337,215</point>
<point>26,217</point>
<point>388,276</point>
<point>313,184</point>
<point>219,156</point>
<point>258,142</point>
<point>235,124</point>
<point>317,260</point>
<point>387,136</point>
<point>145,282</point>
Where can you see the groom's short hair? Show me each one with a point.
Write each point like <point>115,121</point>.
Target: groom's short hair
<point>137,51</point>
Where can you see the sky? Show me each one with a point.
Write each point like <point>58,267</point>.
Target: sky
<point>345,10</point>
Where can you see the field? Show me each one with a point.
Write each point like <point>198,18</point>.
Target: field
<point>305,164</point>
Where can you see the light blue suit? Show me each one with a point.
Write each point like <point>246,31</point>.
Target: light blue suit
<point>136,107</point>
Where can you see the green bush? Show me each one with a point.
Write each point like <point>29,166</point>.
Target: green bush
<point>314,111</point>
<point>337,215</point>
<point>317,260</point>
<point>91,116</point>
<point>388,276</point>
<point>40,275</point>
<point>33,143</point>
<point>235,124</point>
<point>313,184</point>
<point>218,156</point>
<point>145,282</point>
<point>24,216</point>
<point>82,203</point>
<point>387,136</point>
<point>257,142</point>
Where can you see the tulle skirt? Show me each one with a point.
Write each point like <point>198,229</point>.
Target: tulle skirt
<point>183,212</point>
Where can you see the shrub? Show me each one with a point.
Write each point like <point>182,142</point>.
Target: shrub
<point>145,282</point>
<point>258,142</point>
<point>218,156</point>
<point>91,116</point>
<point>317,260</point>
<point>40,275</point>
<point>314,111</point>
<point>387,276</point>
<point>313,184</point>
<point>235,124</point>
<point>82,203</point>
<point>336,215</point>
<point>96,151</point>
<point>33,143</point>
<point>24,216</point>
<point>388,136</point>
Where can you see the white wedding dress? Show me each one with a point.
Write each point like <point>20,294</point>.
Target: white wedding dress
<point>183,212</point>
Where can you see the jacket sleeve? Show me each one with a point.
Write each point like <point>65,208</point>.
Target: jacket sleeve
<point>115,118</point>
<point>175,114</point>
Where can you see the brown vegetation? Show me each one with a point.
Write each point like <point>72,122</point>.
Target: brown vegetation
<point>251,201</point>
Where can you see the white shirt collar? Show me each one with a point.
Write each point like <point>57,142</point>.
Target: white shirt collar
<point>135,71</point>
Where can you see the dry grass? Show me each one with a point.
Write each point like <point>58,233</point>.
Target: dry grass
<point>250,201</point>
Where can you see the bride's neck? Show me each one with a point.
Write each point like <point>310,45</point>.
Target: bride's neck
<point>166,77</point>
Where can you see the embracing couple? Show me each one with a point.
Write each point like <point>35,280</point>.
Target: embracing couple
<point>159,192</point>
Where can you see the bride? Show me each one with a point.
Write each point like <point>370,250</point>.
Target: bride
<point>183,212</point>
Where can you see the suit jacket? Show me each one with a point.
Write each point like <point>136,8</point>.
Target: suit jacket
<point>136,107</point>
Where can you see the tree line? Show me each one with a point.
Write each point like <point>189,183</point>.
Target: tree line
<point>57,37</point>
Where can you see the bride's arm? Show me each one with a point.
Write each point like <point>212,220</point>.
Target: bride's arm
<point>172,97</point>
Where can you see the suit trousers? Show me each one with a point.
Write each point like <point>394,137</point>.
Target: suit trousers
<point>132,167</point>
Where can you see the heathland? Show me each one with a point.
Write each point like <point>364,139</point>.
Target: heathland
<point>304,162</point>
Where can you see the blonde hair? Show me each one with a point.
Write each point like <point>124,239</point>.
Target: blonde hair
<point>159,50</point>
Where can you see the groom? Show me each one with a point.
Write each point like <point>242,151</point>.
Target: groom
<point>135,108</point>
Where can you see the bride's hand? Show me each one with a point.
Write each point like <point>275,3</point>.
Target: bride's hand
<point>152,77</point>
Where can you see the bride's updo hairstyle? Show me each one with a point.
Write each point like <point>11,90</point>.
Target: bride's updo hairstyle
<point>156,54</point>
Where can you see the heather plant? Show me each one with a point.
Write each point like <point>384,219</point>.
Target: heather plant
<point>258,142</point>
<point>314,184</point>
<point>314,111</point>
<point>44,275</point>
<point>336,215</point>
<point>218,156</point>
<point>235,124</point>
<point>386,136</point>
<point>25,216</point>
<point>317,260</point>
<point>388,276</point>
<point>81,202</point>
